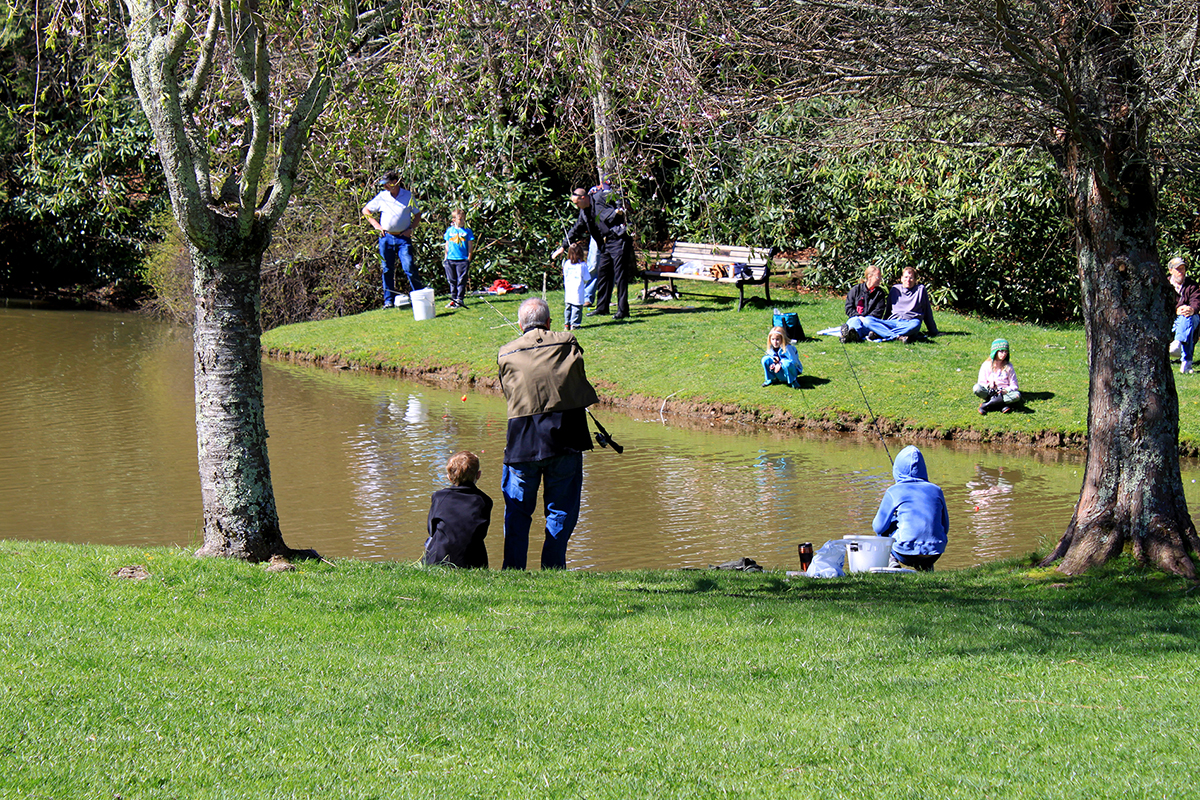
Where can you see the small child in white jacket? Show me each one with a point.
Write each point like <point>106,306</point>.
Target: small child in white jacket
<point>575,278</point>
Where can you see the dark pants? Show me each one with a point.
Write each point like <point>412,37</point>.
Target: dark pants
<point>456,276</point>
<point>919,563</point>
<point>614,265</point>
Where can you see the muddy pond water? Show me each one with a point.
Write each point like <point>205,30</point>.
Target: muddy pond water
<point>97,421</point>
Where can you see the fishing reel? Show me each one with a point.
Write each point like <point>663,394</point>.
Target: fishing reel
<point>604,440</point>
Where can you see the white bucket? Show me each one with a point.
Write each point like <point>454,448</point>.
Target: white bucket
<point>422,303</point>
<point>864,553</point>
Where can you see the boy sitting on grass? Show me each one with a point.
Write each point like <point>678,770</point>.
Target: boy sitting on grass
<point>459,516</point>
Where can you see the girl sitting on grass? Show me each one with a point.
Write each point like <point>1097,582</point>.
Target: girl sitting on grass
<point>997,385</point>
<point>781,364</point>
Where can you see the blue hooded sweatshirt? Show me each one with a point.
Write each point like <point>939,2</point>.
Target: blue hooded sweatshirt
<point>913,510</point>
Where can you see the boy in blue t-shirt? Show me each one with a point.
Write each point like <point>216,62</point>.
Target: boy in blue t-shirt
<point>459,243</point>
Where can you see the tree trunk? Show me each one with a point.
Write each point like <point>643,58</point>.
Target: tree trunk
<point>602,104</point>
<point>1132,489</point>
<point>240,519</point>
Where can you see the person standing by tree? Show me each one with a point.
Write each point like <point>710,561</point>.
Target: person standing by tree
<point>548,393</point>
<point>1187,303</point>
<point>602,217</point>
<point>398,217</point>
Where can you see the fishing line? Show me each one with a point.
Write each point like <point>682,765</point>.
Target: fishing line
<point>798,386</point>
<point>507,321</point>
<point>874,419</point>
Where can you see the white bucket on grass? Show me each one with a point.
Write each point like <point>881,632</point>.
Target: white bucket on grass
<point>864,553</point>
<point>422,303</point>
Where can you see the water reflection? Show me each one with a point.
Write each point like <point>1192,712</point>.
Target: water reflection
<point>97,417</point>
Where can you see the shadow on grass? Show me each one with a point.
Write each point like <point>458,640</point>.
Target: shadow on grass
<point>811,381</point>
<point>1117,609</point>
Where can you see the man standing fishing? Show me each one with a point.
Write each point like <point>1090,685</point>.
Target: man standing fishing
<point>602,217</point>
<point>397,218</point>
<point>548,393</point>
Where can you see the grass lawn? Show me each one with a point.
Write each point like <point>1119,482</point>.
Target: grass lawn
<point>368,680</point>
<point>703,352</point>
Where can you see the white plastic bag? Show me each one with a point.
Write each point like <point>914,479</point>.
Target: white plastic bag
<point>829,561</point>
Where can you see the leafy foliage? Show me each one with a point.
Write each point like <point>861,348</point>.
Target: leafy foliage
<point>986,230</point>
<point>78,178</point>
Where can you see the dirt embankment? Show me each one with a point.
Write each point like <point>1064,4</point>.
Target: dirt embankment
<point>827,422</point>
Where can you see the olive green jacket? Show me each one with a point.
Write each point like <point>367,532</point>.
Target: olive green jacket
<point>542,371</point>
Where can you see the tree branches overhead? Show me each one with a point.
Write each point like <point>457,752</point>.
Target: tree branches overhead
<point>204,72</point>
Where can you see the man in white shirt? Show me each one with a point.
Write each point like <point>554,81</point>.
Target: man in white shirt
<point>397,218</point>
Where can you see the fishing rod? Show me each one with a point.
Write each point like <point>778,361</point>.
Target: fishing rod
<point>760,347</point>
<point>507,321</point>
<point>603,438</point>
<point>874,419</point>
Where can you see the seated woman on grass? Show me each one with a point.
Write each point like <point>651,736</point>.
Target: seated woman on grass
<point>781,364</point>
<point>997,385</point>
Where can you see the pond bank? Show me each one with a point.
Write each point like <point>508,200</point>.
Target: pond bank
<point>708,412</point>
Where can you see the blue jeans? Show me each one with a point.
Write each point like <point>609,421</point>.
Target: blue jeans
<point>391,248</point>
<point>885,329</point>
<point>563,479</point>
<point>1184,331</point>
<point>573,315</point>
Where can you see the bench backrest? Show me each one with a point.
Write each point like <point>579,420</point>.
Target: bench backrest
<point>719,254</point>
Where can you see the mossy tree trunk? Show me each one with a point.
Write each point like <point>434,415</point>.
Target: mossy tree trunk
<point>1132,488</point>
<point>193,61</point>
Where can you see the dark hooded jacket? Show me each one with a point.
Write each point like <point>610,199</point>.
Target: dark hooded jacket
<point>913,510</point>
<point>458,523</point>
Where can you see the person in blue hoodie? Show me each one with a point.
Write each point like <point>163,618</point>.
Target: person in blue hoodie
<point>914,512</point>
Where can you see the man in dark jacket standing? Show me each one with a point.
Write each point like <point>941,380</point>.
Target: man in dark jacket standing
<point>548,393</point>
<point>602,217</point>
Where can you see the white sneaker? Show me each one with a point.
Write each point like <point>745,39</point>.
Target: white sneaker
<point>1176,348</point>
<point>1185,367</point>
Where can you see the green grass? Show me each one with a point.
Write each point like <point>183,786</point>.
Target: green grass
<point>365,680</point>
<point>702,351</point>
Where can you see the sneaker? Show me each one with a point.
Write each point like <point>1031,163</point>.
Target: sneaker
<point>872,336</point>
<point>452,304</point>
<point>847,334</point>
<point>766,384</point>
<point>904,339</point>
<point>1185,367</point>
<point>1176,349</point>
<point>1006,410</point>
<point>982,411</point>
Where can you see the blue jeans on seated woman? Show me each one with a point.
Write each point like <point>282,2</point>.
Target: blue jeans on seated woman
<point>885,329</point>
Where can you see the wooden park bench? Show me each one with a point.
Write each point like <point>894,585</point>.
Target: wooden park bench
<point>717,264</point>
